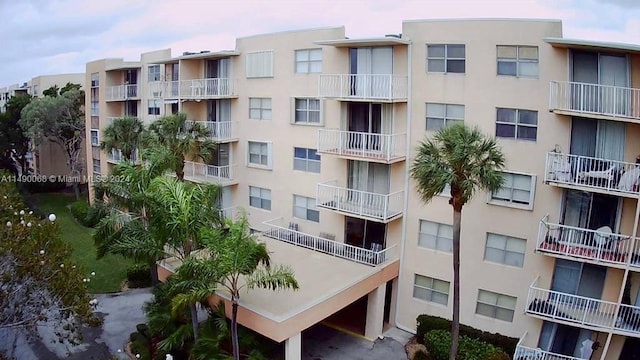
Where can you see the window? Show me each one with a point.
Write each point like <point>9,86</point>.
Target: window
<point>260,197</point>
<point>440,115</point>
<point>154,107</point>
<point>260,108</point>
<point>435,236</point>
<point>305,208</point>
<point>95,79</point>
<point>309,61</point>
<point>260,64</point>
<point>518,61</point>
<point>96,166</point>
<point>307,111</point>
<point>94,137</point>
<point>448,58</point>
<point>259,154</point>
<point>95,108</point>
<point>430,289</point>
<point>517,124</point>
<point>154,72</point>
<point>517,189</point>
<point>505,249</point>
<point>497,306</point>
<point>305,159</point>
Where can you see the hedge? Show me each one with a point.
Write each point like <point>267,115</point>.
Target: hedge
<point>138,276</point>
<point>428,323</point>
<point>438,344</point>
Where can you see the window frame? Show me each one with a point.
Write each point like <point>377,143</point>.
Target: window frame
<point>438,237</point>
<point>516,124</point>
<point>95,108</point>
<point>501,202</point>
<point>308,62</point>
<point>307,208</point>
<point>430,290</point>
<point>495,306</point>
<point>505,250</point>
<point>518,61</point>
<point>307,111</point>
<point>265,203</point>
<point>95,79</point>
<point>261,109</point>
<point>156,105</point>
<point>446,58</point>
<point>446,119</point>
<point>94,163</point>
<point>156,73</point>
<point>261,70</point>
<point>307,160</point>
<point>97,137</point>
<point>268,155</point>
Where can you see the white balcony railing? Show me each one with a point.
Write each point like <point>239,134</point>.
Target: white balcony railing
<point>380,207</point>
<point>528,353</point>
<point>200,171</point>
<point>218,130</point>
<point>276,230</point>
<point>363,86</point>
<point>361,144</point>
<point>121,92</point>
<point>191,89</point>
<point>115,155</point>
<point>231,212</point>
<point>583,310</point>
<point>595,99</point>
<point>598,246</point>
<point>595,173</point>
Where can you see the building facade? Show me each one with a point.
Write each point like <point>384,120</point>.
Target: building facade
<point>316,134</point>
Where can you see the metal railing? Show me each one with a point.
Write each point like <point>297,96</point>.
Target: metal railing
<point>231,212</point>
<point>196,170</point>
<point>380,207</point>
<point>528,353</point>
<point>191,89</point>
<point>331,247</point>
<point>218,130</point>
<point>367,145</point>
<point>115,155</point>
<point>363,86</point>
<point>604,247</point>
<point>591,172</point>
<point>595,99</point>
<point>121,92</point>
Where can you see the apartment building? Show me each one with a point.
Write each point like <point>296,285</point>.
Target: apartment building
<point>316,133</point>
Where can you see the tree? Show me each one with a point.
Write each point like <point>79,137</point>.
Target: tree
<point>123,134</point>
<point>232,260</point>
<point>59,119</point>
<point>14,145</point>
<point>38,282</point>
<point>466,160</point>
<point>173,136</point>
<point>183,211</point>
<point>52,91</point>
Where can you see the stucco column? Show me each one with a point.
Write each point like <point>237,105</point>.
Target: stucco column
<point>293,347</point>
<point>375,312</point>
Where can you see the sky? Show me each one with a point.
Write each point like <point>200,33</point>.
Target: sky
<point>41,37</point>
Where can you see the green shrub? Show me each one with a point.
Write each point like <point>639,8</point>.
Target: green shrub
<point>96,212</point>
<point>138,276</point>
<point>79,211</point>
<point>428,323</point>
<point>438,342</point>
<point>143,329</point>
<point>421,355</point>
<point>141,348</point>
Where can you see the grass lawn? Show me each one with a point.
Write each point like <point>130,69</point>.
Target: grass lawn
<point>110,270</point>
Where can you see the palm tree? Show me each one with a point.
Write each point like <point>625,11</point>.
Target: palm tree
<point>181,215</point>
<point>123,134</point>
<point>233,260</point>
<point>466,160</point>
<point>173,136</point>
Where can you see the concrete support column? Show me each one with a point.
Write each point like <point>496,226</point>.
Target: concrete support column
<point>293,347</point>
<point>375,312</point>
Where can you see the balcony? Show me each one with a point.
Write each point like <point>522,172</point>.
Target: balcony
<point>364,87</point>
<point>594,314</point>
<point>362,146</point>
<point>115,156</point>
<point>593,174</point>
<point>597,247</point>
<point>289,234</point>
<point>594,100</point>
<point>121,92</point>
<point>528,353</point>
<point>232,212</point>
<point>220,131</point>
<point>203,173</point>
<point>367,205</point>
<point>193,89</point>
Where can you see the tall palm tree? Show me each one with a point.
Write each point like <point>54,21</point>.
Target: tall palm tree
<point>174,137</point>
<point>183,211</point>
<point>466,160</point>
<point>123,134</point>
<point>234,260</point>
